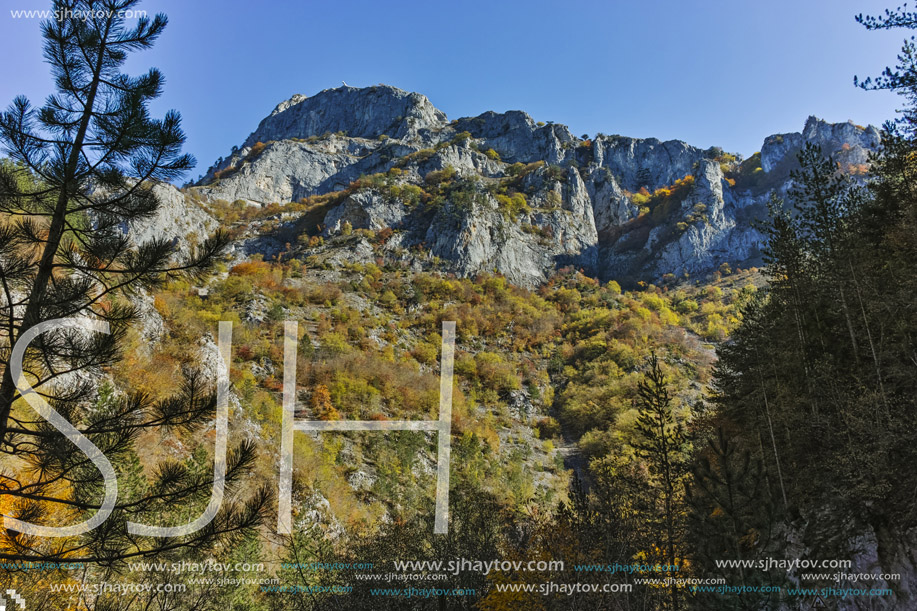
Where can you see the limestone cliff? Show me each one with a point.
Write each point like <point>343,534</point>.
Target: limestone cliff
<point>599,204</point>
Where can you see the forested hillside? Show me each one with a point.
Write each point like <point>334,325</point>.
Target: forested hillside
<point>666,358</point>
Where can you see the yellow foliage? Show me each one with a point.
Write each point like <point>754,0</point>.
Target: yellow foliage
<point>321,404</point>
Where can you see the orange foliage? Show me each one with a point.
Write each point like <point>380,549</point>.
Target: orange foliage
<point>250,268</point>
<point>264,274</point>
<point>256,149</point>
<point>679,185</point>
<point>321,404</point>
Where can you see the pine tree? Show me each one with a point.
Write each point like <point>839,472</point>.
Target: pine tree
<point>818,382</point>
<point>731,518</point>
<point>644,178</point>
<point>83,167</point>
<point>661,444</point>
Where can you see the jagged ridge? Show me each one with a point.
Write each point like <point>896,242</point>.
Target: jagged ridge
<point>585,205</point>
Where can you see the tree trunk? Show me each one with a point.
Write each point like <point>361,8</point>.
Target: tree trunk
<point>55,234</point>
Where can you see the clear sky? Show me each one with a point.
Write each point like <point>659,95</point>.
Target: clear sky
<point>710,72</point>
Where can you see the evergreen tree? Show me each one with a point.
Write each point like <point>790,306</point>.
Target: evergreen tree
<point>83,167</point>
<point>819,380</point>
<point>644,178</point>
<point>661,444</point>
<point>730,518</point>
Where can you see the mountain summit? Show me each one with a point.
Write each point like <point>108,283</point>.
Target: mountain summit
<point>502,192</point>
<point>362,113</point>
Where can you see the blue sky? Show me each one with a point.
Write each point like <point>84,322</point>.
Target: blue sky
<point>710,72</point>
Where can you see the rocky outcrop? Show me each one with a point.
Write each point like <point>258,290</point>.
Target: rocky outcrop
<point>179,219</point>
<point>890,553</point>
<point>848,143</point>
<point>525,249</point>
<point>715,239</point>
<point>583,200</point>
<point>466,160</point>
<point>517,138</point>
<point>647,162</point>
<point>610,205</point>
<point>359,113</point>
<point>366,210</point>
<point>288,170</point>
<point>481,234</point>
<point>699,235</point>
<point>881,559</point>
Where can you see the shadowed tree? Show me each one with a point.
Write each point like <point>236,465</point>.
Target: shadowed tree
<point>818,381</point>
<point>730,517</point>
<point>661,444</point>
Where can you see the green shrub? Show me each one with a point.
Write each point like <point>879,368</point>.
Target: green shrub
<point>426,353</point>
<point>640,199</point>
<point>553,200</point>
<point>547,428</point>
<point>461,138</point>
<point>437,177</point>
<point>513,206</point>
<point>555,172</point>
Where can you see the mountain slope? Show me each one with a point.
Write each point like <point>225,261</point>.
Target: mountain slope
<point>500,192</point>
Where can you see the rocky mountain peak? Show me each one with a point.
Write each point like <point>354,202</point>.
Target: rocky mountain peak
<point>518,138</point>
<point>503,192</point>
<point>849,143</point>
<point>295,99</point>
<point>368,112</point>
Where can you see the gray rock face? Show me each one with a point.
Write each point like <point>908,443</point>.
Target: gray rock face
<point>660,163</point>
<point>483,240</point>
<point>466,160</point>
<point>584,210</point>
<point>178,219</point>
<point>889,553</point>
<point>776,148</point>
<point>846,142</point>
<point>611,207</point>
<point>516,137</point>
<point>366,210</point>
<point>361,113</point>
<point>702,233</point>
<point>873,553</point>
<point>706,244</point>
<point>289,170</point>
<point>482,236</point>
